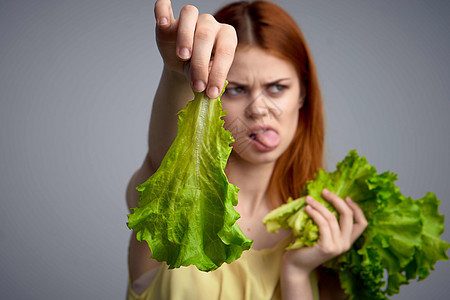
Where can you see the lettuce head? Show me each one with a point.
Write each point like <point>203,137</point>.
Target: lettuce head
<point>401,242</point>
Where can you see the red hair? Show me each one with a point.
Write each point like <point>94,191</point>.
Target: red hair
<point>267,26</point>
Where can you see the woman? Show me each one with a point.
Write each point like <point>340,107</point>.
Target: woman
<point>274,112</point>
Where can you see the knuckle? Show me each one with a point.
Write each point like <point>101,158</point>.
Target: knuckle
<point>230,31</point>
<point>330,217</point>
<point>364,224</point>
<point>218,73</point>
<point>189,9</point>
<point>184,33</point>
<point>225,51</point>
<point>198,71</point>
<point>339,250</point>
<point>199,68</point>
<point>321,222</point>
<point>346,247</point>
<point>330,250</point>
<point>200,60</point>
<point>207,18</point>
<point>204,33</point>
<point>347,212</point>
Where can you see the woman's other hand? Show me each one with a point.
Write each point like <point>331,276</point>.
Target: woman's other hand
<point>196,46</point>
<point>335,237</point>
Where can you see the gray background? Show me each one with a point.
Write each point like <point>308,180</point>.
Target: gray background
<point>77,80</point>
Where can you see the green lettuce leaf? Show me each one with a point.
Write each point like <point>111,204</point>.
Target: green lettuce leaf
<point>185,210</point>
<point>402,240</point>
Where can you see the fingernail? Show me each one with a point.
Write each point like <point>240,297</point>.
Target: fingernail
<point>162,21</point>
<point>199,86</point>
<point>184,53</point>
<point>325,191</point>
<point>213,92</point>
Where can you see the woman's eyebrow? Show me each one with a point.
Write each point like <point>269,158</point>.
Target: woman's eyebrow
<point>277,81</point>
<point>268,83</point>
<point>235,83</point>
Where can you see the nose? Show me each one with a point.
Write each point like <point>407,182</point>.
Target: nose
<point>258,107</point>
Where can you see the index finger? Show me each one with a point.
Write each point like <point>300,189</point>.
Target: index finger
<point>226,42</point>
<point>163,13</point>
<point>360,219</point>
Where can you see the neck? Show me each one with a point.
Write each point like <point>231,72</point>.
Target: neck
<point>253,181</point>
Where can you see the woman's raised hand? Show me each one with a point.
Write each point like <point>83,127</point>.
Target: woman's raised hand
<point>196,46</point>
<point>335,237</point>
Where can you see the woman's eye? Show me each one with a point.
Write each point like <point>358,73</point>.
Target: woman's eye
<point>276,88</point>
<point>233,91</point>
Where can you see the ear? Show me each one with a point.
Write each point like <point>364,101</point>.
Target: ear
<point>301,99</point>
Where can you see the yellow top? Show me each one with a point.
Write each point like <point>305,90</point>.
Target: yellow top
<point>255,275</point>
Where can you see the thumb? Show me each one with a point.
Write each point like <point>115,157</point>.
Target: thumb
<point>164,16</point>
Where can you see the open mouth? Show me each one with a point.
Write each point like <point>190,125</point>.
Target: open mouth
<point>264,139</point>
<point>252,135</point>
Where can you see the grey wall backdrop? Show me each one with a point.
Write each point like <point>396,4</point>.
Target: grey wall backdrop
<point>77,80</point>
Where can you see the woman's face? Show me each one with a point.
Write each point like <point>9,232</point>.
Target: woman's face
<point>262,101</point>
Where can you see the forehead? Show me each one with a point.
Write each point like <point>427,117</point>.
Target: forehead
<point>254,64</point>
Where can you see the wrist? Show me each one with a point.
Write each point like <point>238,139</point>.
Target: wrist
<point>291,267</point>
<point>293,273</point>
<point>295,284</point>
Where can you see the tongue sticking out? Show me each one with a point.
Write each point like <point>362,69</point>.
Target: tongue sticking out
<point>268,138</point>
